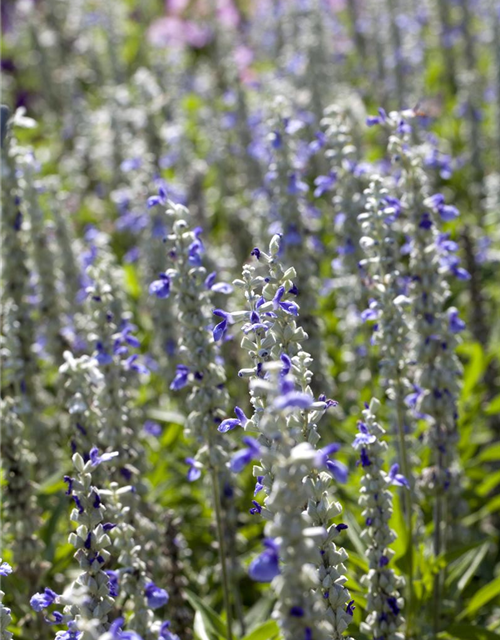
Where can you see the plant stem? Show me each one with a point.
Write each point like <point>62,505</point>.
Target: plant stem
<point>438,546</point>
<point>405,465</point>
<point>222,553</point>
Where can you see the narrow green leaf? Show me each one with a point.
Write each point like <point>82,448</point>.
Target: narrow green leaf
<point>478,558</point>
<point>211,620</point>
<point>493,408</point>
<point>468,632</point>
<point>266,631</point>
<point>481,597</point>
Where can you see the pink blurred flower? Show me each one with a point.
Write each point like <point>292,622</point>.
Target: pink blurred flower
<point>175,31</point>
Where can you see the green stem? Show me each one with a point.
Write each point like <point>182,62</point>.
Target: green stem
<point>222,553</point>
<point>439,507</point>
<point>405,467</point>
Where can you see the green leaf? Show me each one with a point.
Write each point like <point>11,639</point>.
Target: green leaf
<point>481,597</point>
<point>474,368</point>
<point>468,632</point>
<point>476,561</point>
<point>211,620</point>
<point>490,453</point>
<point>266,631</point>
<point>132,284</point>
<point>493,407</point>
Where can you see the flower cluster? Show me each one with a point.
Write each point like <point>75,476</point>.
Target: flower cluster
<point>384,602</point>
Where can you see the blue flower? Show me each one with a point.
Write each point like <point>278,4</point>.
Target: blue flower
<point>194,471</point>
<point>181,377</point>
<point>350,608</point>
<point>43,600</point>
<point>266,566</point>
<point>113,585</point>
<point>256,508</point>
<point>397,478</point>
<point>258,485</point>
<point>166,634</point>
<point>380,119</point>
<point>232,423</point>
<point>336,468</point>
<point>102,357</point>
<point>291,399</point>
<point>447,212</point>
<point>288,307</point>
<point>132,364</point>
<point>218,287</point>
<point>96,459</point>
<point>155,596</point>
<point>243,457</point>
<point>117,633</point>
<point>455,323</point>
<point>364,437</point>
<point>160,288</point>
<point>220,329</point>
<point>161,198</point>
<point>5,569</point>
<point>152,428</point>
<point>324,183</point>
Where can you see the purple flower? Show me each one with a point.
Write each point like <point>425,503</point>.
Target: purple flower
<point>96,459</point>
<point>194,471</point>
<point>132,364</point>
<point>166,634</point>
<point>220,329</point>
<point>324,183</point>
<point>152,428</point>
<point>265,567</point>
<point>5,569</point>
<point>393,605</point>
<point>446,211</point>
<point>43,600</point>
<point>113,585</point>
<point>350,608</point>
<point>288,307</point>
<point>255,252</point>
<point>296,185</point>
<point>161,198</point>
<point>397,478</point>
<point>155,596</point>
<point>256,508</point>
<point>219,287</point>
<point>102,357</point>
<point>258,485</point>
<point>181,377</point>
<point>364,459</point>
<point>117,634</point>
<point>337,469</point>
<point>232,423</point>
<point>243,457</point>
<point>380,119</point>
<point>364,437</point>
<point>455,323</point>
<point>160,288</point>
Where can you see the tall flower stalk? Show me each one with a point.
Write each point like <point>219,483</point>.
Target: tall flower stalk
<point>187,278</point>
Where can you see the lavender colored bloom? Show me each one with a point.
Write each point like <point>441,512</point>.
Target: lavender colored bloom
<point>218,287</point>
<point>113,585</point>
<point>117,634</point>
<point>350,608</point>
<point>232,423</point>
<point>455,323</point>
<point>397,478</point>
<point>96,459</point>
<point>364,437</point>
<point>256,508</point>
<point>258,485</point>
<point>156,596</point>
<point>161,198</point>
<point>338,470</point>
<point>324,183</point>
<point>288,307</point>
<point>194,471</point>
<point>5,569</point>
<point>243,457</point>
<point>160,288</point>
<point>181,377</point>
<point>43,600</point>
<point>152,428</point>
<point>131,363</point>
<point>266,566</point>
<point>165,633</point>
<point>220,329</point>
